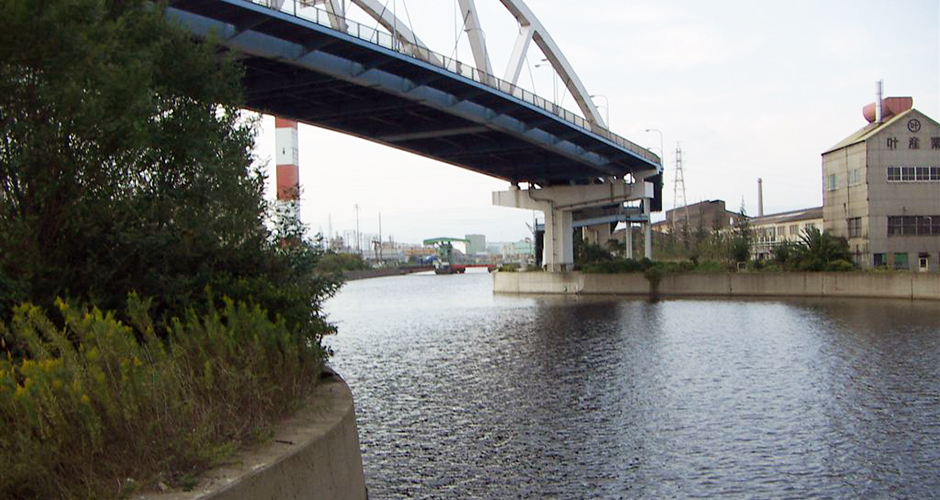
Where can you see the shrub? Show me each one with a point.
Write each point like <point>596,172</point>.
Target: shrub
<point>126,165</point>
<point>99,401</point>
<point>710,266</point>
<point>333,262</point>
<point>840,265</point>
<point>654,275</point>
<point>785,253</point>
<point>589,253</point>
<point>818,250</point>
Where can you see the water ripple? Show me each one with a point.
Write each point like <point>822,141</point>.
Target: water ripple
<point>463,394</point>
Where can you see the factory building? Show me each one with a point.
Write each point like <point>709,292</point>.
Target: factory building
<point>769,231</point>
<point>710,214</point>
<point>881,188</point>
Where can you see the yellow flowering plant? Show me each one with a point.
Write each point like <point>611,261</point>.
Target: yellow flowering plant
<point>98,400</point>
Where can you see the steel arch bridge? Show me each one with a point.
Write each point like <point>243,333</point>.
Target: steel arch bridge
<point>306,61</point>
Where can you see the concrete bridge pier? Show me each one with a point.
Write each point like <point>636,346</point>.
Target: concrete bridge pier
<point>558,203</point>
<point>597,234</point>
<point>628,243</point>
<point>648,230</point>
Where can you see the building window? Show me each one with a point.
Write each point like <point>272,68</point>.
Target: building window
<point>913,174</point>
<point>855,227</point>
<point>833,185</point>
<point>809,227</point>
<point>879,260</point>
<point>900,261</point>
<point>914,225</point>
<point>855,176</point>
<point>768,234</point>
<point>795,230</point>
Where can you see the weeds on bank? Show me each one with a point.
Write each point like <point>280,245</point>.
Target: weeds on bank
<point>98,408</point>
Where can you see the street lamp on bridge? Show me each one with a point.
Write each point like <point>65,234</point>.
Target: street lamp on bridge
<point>662,152</point>
<point>554,79</point>
<point>606,107</point>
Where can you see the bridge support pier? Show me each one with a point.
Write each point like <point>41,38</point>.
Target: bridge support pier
<point>648,228</point>
<point>628,241</point>
<point>598,234</point>
<point>558,203</point>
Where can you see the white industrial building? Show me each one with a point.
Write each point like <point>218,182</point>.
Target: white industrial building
<point>769,231</point>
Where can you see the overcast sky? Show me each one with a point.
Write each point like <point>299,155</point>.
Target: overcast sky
<point>749,88</point>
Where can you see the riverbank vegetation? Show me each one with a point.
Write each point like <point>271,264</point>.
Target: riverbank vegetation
<point>98,408</point>
<point>154,311</point>
<point>337,262</point>
<point>815,251</point>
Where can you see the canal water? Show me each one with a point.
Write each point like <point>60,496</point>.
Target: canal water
<point>464,394</point>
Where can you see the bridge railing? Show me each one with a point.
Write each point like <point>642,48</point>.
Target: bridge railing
<point>302,10</point>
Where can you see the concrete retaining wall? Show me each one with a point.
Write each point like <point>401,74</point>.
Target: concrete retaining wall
<point>313,456</point>
<point>879,285</point>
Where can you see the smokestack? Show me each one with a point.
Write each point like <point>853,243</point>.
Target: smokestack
<point>288,170</point>
<point>760,197</point>
<point>879,93</point>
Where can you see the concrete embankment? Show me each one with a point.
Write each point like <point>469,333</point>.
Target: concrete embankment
<point>312,456</point>
<point>386,271</point>
<point>857,284</point>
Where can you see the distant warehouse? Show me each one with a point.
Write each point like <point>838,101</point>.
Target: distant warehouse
<point>771,230</point>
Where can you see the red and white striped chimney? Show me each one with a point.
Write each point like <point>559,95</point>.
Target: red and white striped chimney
<point>288,171</point>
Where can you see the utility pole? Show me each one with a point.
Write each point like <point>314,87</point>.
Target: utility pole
<point>358,236</point>
<point>380,238</point>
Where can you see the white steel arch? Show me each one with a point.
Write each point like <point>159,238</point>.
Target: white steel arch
<point>529,26</point>
<point>337,13</point>
<point>530,29</point>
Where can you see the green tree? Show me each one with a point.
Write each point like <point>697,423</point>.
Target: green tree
<point>821,251</point>
<point>741,238</point>
<point>126,164</point>
<point>785,253</point>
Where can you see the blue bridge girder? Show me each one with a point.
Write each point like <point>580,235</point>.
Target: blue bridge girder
<point>608,214</point>
<point>304,70</point>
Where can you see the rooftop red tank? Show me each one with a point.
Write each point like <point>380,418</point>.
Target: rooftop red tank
<point>890,106</point>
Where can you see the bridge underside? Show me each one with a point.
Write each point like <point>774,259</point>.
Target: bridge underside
<point>305,71</point>
<point>400,123</point>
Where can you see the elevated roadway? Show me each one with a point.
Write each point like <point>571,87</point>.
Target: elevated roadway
<point>310,65</point>
<point>361,83</point>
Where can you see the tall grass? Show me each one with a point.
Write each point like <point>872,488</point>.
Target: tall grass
<point>98,408</point>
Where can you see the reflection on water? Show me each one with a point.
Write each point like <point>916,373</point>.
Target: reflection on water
<point>464,394</point>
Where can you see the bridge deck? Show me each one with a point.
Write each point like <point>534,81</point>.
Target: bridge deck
<point>300,69</point>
